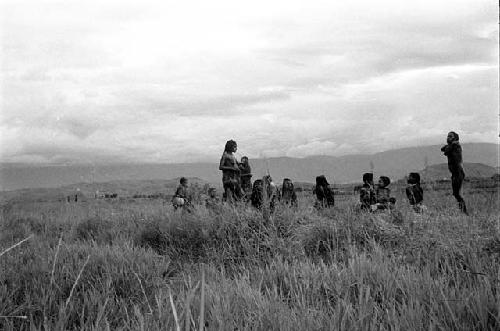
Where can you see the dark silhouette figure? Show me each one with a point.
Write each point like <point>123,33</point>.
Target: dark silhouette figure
<point>324,194</point>
<point>383,192</point>
<point>414,191</point>
<point>367,195</point>
<point>288,195</point>
<point>245,175</point>
<point>453,151</point>
<point>257,194</point>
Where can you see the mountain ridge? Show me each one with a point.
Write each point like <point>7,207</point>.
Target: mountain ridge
<point>394,163</point>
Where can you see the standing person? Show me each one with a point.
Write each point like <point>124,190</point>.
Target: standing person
<point>246,176</point>
<point>324,194</point>
<point>230,172</point>
<point>453,151</point>
<point>367,193</point>
<point>288,195</point>
<point>273,193</point>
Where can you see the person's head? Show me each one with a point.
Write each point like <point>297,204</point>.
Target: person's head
<point>452,136</point>
<point>384,181</point>
<point>414,178</point>
<point>244,160</point>
<point>231,146</point>
<point>212,192</point>
<point>321,181</point>
<point>258,184</point>
<point>368,178</point>
<point>268,179</point>
<point>183,181</point>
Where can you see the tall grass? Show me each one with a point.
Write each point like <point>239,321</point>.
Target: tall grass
<point>132,266</point>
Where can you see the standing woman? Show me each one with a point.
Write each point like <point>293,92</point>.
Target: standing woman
<point>453,151</point>
<point>230,172</point>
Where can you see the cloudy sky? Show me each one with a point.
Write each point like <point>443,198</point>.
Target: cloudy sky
<point>171,81</point>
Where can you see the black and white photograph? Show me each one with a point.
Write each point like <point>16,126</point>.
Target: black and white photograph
<point>259,165</point>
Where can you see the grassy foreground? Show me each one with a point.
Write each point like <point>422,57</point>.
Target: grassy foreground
<point>141,266</point>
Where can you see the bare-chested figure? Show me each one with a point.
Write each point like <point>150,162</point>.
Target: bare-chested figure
<point>230,173</point>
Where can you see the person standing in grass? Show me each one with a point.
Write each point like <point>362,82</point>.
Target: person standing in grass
<point>246,176</point>
<point>230,173</point>
<point>453,152</point>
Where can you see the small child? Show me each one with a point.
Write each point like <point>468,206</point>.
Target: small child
<point>212,201</point>
<point>383,193</point>
<point>367,193</point>
<point>180,198</point>
<point>245,175</point>
<point>414,192</point>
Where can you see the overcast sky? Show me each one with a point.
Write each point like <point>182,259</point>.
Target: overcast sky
<point>171,81</point>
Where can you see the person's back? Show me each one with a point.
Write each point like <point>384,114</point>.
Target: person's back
<point>245,175</point>
<point>257,192</point>
<point>324,194</point>
<point>383,192</point>
<point>288,195</point>
<point>414,191</point>
<point>367,195</point>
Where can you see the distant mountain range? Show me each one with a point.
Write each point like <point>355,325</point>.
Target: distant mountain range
<point>345,169</point>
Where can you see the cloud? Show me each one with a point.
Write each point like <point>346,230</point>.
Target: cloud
<point>171,82</point>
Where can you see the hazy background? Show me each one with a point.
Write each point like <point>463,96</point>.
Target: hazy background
<point>171,81</point>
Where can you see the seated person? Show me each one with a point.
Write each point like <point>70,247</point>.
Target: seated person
<point>181,196</point>
<point>414,192</point>
<point>383,193</point>
<point>257,191</point>
<point>212,201</point>
<point>288,195</point>
<point>367,195</point>
<point>324,194</point>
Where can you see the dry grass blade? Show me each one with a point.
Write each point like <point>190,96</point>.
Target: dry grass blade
<point>76,282</point>
<point>24,317</point>
<point>174,312</point>
<point>15,245</point>
<point>202,302</point>
<point>144,293</point>
<point>55,259</point>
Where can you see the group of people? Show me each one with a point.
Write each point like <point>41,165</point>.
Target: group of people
<point>237,185</point>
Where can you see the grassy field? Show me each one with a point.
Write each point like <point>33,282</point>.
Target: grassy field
<point>138,265</point>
